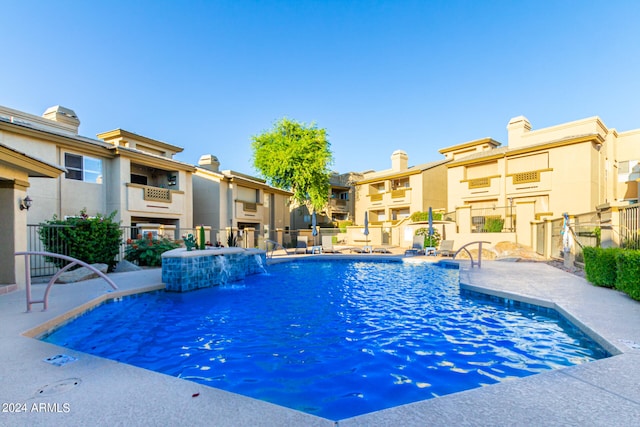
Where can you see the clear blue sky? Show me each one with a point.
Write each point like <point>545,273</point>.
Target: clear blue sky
<point>378,75</point>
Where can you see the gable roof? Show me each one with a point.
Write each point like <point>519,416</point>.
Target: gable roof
<point>391,174</point>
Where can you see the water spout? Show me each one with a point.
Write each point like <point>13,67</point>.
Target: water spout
<point>223,264</point>
<point>260,264</point>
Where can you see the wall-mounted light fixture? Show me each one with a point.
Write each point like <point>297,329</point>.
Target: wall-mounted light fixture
<point>26,203</point>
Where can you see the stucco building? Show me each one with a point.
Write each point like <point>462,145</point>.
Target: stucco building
<point>131,174</point>
<point>574,167</point>
<point>17,170</point>
<point>230,201</point>
<point>390,197</point>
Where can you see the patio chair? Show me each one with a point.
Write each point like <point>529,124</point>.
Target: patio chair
<point>381,250</point>
<point>302,244</point>
<point>418,244</point>
<point>327,245</point>
<point>446,248</point>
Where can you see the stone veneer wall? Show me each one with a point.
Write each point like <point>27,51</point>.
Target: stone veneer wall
<point>184,271</point>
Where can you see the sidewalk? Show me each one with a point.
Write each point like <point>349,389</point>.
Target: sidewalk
<point>96,391</point>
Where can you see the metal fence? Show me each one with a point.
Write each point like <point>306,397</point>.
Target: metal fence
<point>493,220</point>
<point>585,232</point>
<point>39,265</point>
<point>630,227</point>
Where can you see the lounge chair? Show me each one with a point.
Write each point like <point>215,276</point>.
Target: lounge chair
<point>446,248</point>
<point>327,245</point>
<point>272,246</point>
<point>417,248</point>
<point>381,251</point>
<point>302,244</point>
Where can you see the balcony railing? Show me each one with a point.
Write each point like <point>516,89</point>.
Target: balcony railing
<point>398,194</point>
<point>524,177</point>
<point>479,182</point>
<point>157,194</point>
<point>250,206</point>
<point>376,197</point>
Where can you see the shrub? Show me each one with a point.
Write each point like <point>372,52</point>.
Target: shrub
<point>147,251</point>
<point>343,224</point>
<point>628,272</point>
<point>493,224</point>
<point>600,266</point>
<point>89,239</point>
<point>429,242</point>
<point>424,216</point>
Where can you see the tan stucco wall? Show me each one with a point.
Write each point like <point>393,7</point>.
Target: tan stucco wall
<point>14,229</point>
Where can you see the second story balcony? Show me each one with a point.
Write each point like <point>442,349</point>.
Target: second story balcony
<point>339,205</point>
<point>400,195</point>
<point>148,199</point>
<point>529,181</point>
<point>249,211</point>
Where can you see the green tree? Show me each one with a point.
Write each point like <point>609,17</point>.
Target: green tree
<point>295,157</point>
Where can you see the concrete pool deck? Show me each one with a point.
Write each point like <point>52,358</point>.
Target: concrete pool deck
<point>97,391</point>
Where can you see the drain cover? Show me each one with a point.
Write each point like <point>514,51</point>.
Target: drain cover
<point>59,387</point>
<point>60,359</point>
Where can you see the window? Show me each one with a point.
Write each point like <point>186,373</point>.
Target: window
<point>138,179</point>
<point>628,170</point>
<point>83,168</point>
<point>398,184</point>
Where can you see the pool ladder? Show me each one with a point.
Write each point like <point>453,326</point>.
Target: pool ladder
<point>479,261</point>
<point>72,262</point>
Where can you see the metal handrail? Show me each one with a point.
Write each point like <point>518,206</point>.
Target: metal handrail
<point>274,246</point>
<point>479,262</point>
<point>73,261</point>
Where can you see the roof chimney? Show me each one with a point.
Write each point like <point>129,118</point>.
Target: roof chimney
<point>516,129</point>
<point>209,162</point>
<point>399,160</point>
<point>65,116</point>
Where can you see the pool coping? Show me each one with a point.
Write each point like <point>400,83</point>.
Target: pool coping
<point>603,392</point>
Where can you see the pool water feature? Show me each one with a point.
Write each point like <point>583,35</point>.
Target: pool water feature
<point>332,338</point>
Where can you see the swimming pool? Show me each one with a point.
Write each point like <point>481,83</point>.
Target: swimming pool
<point>335,339</point>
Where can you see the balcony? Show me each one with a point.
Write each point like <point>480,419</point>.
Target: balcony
<point>376,197</point>
<point>529,181</point>
<point>249,206</point>
<point>398,194</point>
<point>145,199</point>
<point>481,186</point>
<point>248,211</point>
<point>338,205</point>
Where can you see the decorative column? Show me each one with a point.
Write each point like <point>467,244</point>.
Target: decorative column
<point>525,213</point>
<point>463,218</point>
<point>14,228</point>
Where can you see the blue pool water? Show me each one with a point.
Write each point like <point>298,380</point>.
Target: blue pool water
<point>334,338</point>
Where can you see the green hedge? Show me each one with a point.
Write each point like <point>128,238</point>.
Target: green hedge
<point>628,281</point>
<point>600,266</point>
<point>614,268</point>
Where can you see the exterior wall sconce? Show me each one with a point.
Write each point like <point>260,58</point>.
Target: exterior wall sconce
<point>26,203</point>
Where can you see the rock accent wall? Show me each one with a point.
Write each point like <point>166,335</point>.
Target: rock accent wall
<point>184,271</point>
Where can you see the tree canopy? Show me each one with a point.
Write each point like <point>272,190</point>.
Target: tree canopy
<point>295,157</point>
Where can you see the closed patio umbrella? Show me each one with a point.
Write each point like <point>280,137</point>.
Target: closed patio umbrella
<point>314,231</point>
<point>366,227</point>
